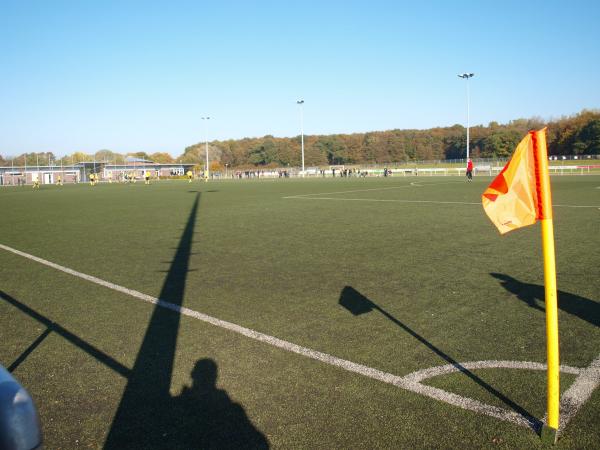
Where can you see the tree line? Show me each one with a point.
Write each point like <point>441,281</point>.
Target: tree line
<point>573,135</point>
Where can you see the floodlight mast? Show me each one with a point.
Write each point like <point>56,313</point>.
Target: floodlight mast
<point>466,76</point>
<point>301,103</point>
<point>207,172</point>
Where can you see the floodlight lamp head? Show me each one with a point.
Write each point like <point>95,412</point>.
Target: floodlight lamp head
<point>300,102</point>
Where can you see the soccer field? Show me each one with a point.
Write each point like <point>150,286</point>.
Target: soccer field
<point>334,313</point>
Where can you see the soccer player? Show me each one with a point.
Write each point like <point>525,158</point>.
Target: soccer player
<point>147,177</point>
<point>190,176</point>
<point>36,182</point>
<point>59,181</point>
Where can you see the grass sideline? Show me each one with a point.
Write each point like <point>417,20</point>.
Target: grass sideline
<point>245,253</point>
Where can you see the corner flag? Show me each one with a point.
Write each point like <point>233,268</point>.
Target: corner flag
<point>517,197</point>
<point>513,199</point>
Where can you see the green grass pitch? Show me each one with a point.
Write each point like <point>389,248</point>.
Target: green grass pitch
<point>397,274</point>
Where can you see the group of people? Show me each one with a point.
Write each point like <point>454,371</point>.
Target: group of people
<point>344,173</point>
<point>130,177</point>
<point>190,176</point>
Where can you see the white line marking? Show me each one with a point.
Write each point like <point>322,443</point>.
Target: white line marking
<point>575,397</point>
<point>424,374</point>
<point>347,192</point>
<point>579,392</point>
<point>276,342</point>
<point>415,201</point>
<point>370,190</point>
<point>384,200</point>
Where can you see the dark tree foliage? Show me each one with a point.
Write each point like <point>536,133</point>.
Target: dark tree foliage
<point>572,135</point>
<point>575,135</point>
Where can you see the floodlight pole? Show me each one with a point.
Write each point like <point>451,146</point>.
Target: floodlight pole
<point>206,147</point>
<point>301,103</point>
<point>466,76</point>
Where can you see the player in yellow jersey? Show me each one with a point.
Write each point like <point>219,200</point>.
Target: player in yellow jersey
<point>59,181</point>
<point>190,175</point>
<point>36,182</point>
<point>147,177</point>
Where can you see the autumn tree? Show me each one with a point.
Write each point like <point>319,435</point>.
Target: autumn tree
<point>162,158</point>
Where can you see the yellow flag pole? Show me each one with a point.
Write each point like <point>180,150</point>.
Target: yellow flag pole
<point>550,431</point>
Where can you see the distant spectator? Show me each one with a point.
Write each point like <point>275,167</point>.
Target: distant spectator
<point>469,170</point>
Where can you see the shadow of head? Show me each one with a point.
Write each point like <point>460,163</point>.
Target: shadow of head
<point>205,372</point>
<point>502,276</point>
<point>526,292</point>
<point>355,302</point>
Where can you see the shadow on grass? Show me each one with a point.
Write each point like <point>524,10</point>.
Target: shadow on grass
<point>358,304</point>
<point>533,294</point>
<point>52,327</point>
<point>202,416</point>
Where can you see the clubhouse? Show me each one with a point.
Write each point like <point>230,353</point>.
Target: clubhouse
<point>80,172</point>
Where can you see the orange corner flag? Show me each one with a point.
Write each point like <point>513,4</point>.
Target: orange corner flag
<point>514,198</point>
<point>519,196</point>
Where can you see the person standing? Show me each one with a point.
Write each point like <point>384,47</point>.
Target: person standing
<point>469,170</point>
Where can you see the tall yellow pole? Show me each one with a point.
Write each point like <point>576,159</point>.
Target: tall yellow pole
<point>549,433</point>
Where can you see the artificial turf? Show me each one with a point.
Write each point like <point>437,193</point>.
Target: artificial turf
<point>440,285</point>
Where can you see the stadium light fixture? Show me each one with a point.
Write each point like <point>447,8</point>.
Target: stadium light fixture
<point>206,119</point>
<point>301,103</point>
<point>466,76</point>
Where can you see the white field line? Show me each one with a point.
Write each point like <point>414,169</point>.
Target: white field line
<point>412,184</point>
<point>579,392</point>
<point>385,200</point>
<point>410,382</point>
<point>341,199</point>
<point>424,374</point>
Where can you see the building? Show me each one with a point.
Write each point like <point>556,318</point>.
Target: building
<point>80,172</point>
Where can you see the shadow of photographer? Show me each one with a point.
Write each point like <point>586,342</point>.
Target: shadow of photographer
<point>209,416</point>
<point>534,296</point>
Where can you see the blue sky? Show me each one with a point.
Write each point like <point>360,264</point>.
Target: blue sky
<point>138,76</point>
